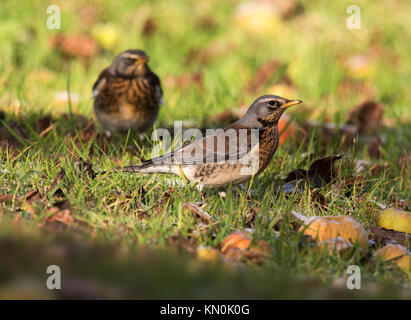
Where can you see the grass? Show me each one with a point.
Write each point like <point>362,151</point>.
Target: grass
<point>134,256</point>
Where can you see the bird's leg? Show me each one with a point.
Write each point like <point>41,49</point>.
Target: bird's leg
<point>222,194</point>
<point>142,137</point>
<point>108,135</point>
<point>200,187</point>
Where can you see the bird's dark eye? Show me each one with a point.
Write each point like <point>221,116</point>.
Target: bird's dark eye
<point>272,103</point>
<point>130,60</point>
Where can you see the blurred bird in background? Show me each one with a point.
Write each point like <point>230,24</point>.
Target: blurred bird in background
<point>127,94</point>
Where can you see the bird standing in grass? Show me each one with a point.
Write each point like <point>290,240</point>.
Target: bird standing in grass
<point>231,155</point>
<point>127,94</point>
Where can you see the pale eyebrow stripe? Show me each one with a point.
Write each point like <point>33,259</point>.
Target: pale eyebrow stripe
<point>132,56</point>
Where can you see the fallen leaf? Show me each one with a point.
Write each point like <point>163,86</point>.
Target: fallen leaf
<point>383,236</point>
<point>56,181</point>
<point>367,117</point>
<point>348,185</point>
<point>322,171</point>
<point>405,160</point>
<point>178,241</point>
<point>374,147</point>
<point>61,216</point>
<point>85,169</point>
<point>194,208</point>
<point>225,117</point>
<point>318,199</point>
<point>149,28</point>
<point>6,197</point>
<point>30,197</point>
<point>74,46</point>
<point>206,22</point>
<point>8,148</point>
<point>263,74</point>
<point>43,124</point>
<point>184,81</point>
<point>205,55</point>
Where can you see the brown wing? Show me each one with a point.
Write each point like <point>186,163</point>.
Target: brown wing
<point>100,83</point>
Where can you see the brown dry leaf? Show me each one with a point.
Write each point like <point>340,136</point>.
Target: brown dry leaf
<point>178,241</point>
<point>88,132</point>
<point>250,217</point>
<point>13,128</point>
<point>9,148</point>
<point>374,145</point>
<point>225,117</point>
<point>367,117</point>
<point>328,131</point>
<point>383,236</point>
<point>205,55</point>
<point>6,198</point>
<point>405,160</point>
<point>167,198</point>
<point>61,216</point>
<point>206,22</point>
<point>194,208</point>
<point>322,171</point>
<point>30,197</point>
<point>85,169</point>
<point>88,14</point>
<point>347,185</point>
<point>43,123</point>
<point>149,27</point>
<point>318,199</point>
<point>185,81</point>
<point>142,214</point>
<point>8,142</point>
<point>74,46</point>
<point>56,181</point>
<point>262,75</point>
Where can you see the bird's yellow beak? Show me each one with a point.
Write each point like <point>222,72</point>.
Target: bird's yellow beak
<point>290,103</point>
<point>141,60</point>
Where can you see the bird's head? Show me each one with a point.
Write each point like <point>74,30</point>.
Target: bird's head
<point>130,63</point>
<point>267,110</point>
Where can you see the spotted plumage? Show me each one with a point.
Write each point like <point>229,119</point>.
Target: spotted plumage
<point>127,94</point>
<point>231,155</point>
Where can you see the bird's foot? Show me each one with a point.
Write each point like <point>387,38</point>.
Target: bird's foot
<point>108,135</point>
<point>222,194</point>
<point>141,136</point>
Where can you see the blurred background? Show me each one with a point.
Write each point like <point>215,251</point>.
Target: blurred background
<point>214,58</point>
<point>211,55</point>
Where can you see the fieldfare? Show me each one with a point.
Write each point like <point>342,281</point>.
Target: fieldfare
<point>229,156</point>
<point>127,94</point>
